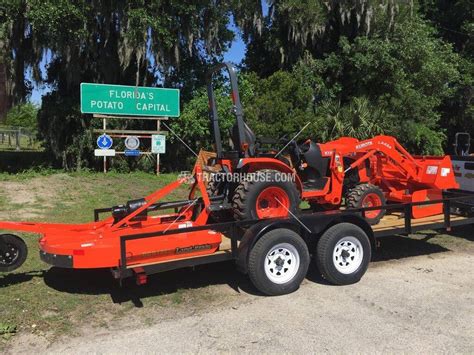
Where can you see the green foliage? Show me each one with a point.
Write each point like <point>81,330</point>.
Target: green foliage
<point>281,105</point>
<point>358,119</point>
<point>23,115</point>
<point>404,82</point>
<point>352,68</point>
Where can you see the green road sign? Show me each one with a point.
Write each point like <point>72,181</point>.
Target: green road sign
<point>129,100</point>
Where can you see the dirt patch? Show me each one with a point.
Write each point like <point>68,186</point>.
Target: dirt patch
<point>29,199</point>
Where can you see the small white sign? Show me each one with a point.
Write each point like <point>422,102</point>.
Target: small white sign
<point>158,144</point>
<point>104,152</point>
<point>132,142</point>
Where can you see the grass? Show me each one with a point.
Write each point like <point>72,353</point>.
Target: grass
<point>43,301</point>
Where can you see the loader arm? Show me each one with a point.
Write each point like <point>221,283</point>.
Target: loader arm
<point>387,145</point>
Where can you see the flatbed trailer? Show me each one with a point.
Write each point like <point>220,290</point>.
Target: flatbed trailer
<point>274,252</point>
<point>241,236</point>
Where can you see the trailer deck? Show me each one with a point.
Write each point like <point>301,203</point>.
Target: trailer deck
<point>391,224</point>
<point>397,221</point>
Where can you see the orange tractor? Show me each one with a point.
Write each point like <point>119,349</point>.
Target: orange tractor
<point>360,173</point>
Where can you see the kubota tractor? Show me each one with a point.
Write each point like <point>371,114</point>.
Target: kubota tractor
<point>360,173</point>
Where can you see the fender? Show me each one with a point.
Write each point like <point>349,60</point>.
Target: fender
<point>310,227</point>
<point>255,164</point>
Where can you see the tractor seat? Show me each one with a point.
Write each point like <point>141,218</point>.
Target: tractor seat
<point>317,164</point>
<point>314,176</point>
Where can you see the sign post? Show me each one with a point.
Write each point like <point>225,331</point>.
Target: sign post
<point>158,124</point>
<point>129,102</point>
<point>104,124</point>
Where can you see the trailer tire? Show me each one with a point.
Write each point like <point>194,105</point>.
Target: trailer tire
<point>278,262</point>
<point>15,255</point>
<point>262,198</point>
<point>367,195</point>
<point>343,254</point>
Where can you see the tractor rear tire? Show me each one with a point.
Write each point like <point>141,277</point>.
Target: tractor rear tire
<point>265,194</point>
<point>213,187</point>
<point>278,262</point>
<point>343,254</point>
<point>14,253</point>
<point>216,188</point>
<point>367,195</point>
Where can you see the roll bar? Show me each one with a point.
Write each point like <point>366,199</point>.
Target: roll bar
<point>237,109</point>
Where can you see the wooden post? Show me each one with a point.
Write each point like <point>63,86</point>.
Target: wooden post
<point>17,137</point>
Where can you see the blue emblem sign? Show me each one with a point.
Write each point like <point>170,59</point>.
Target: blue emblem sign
<point>104,141</point>
<point>132,152</point>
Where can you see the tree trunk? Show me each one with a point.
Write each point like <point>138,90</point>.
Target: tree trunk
<point>4,100</point>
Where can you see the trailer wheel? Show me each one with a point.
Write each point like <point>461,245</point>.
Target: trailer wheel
<point>343,254</point>
<point>367,195</point>
<point>267,197</point>
<point>278,262</point>
<point>13,252</point>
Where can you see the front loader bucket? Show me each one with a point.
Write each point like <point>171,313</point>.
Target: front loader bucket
<point>437,172</point>
<point>426,210</point>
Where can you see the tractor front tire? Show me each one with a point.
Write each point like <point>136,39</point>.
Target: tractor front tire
<point>13,252</point>
<point>367,195</point>
<point>278,262</point>
<point>265,194</point>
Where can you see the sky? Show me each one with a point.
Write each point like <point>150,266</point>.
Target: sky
<point>235,54</point>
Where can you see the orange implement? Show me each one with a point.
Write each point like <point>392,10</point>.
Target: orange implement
<point>97,244</point>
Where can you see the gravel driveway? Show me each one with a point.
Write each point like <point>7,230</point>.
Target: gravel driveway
<point>412,300</point>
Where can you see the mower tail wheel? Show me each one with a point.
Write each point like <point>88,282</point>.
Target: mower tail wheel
<point>343,254</point>
<point>367,195</point>
<point>13,252</point>
<point>278,262</point>
<point>265,194</point>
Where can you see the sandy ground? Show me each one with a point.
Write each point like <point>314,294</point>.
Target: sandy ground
<point>419,300</point>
